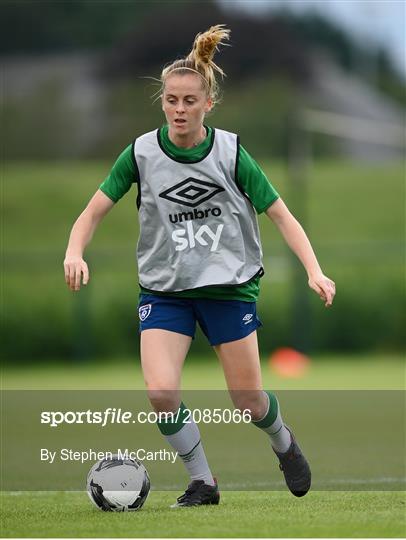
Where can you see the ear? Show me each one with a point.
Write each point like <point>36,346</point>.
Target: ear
<point>209,105</point>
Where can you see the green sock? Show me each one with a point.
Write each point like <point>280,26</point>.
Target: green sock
<point>273,425</point>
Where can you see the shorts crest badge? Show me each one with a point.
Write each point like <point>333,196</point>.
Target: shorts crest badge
<point>144,311</point>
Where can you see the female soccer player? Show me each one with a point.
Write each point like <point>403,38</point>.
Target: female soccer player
<point>200,259</point>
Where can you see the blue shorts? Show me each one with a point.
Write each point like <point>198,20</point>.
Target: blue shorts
<point>220,320</point>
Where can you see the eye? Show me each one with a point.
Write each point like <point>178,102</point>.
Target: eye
<point>190,101</point>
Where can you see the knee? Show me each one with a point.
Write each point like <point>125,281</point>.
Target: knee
<point>254,401</point>
<point>164,400</point>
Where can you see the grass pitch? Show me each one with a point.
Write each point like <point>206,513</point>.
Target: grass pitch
<point>326,372</point>
<point>255,514</point>
<point>240,514</point>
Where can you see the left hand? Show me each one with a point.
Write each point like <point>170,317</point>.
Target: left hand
<point>324,287</point>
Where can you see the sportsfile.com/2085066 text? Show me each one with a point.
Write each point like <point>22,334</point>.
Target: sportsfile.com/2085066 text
<point>113,415</point>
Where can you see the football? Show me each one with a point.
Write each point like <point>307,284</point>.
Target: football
<point>118,485</point>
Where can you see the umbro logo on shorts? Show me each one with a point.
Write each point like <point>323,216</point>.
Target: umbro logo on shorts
<point>144,311</point>
<point>247,318</point>
<point>191,192</point>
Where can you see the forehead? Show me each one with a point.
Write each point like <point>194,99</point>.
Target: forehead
<point>190,83</point>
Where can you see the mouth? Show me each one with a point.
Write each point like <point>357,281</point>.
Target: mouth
<point>180,121</point>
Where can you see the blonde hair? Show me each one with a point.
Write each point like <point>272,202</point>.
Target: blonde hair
<point>200,60</point>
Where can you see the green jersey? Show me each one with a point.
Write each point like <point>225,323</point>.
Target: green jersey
<point>249,177</point>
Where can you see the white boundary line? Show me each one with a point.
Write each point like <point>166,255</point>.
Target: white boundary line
<point>244,485</point>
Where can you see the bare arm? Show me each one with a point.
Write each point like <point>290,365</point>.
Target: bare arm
<point>81,234</point>
<point>298,242</point>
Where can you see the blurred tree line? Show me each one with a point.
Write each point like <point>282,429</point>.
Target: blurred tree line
<point>139,36</point>
<point>90,100</point>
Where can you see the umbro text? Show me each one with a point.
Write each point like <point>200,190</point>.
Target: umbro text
<point>196,214</point>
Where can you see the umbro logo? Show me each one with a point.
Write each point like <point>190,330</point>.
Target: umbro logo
<point>247,318</point>
<point>191,192</point>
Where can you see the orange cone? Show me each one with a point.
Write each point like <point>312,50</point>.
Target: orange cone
<point>287,362</point>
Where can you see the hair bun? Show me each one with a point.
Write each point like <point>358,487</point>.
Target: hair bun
<point>206,44</point>
<point>200,60</point>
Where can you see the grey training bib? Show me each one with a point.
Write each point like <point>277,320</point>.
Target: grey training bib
<point>196,227</point>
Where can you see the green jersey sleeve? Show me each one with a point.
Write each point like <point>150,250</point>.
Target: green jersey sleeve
<point>254,182</point>
<point>123,174</point>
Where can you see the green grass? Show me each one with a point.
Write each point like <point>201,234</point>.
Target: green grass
<point>355,219</point>
<point>240,514</point>
<point>351,513</point>
<point>335,372</point>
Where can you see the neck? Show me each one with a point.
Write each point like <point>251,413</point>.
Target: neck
<point>188,140</point>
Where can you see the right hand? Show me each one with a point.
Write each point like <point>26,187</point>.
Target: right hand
<point>75,267</point>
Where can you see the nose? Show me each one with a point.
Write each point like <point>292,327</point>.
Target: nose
<point>180,107</point>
